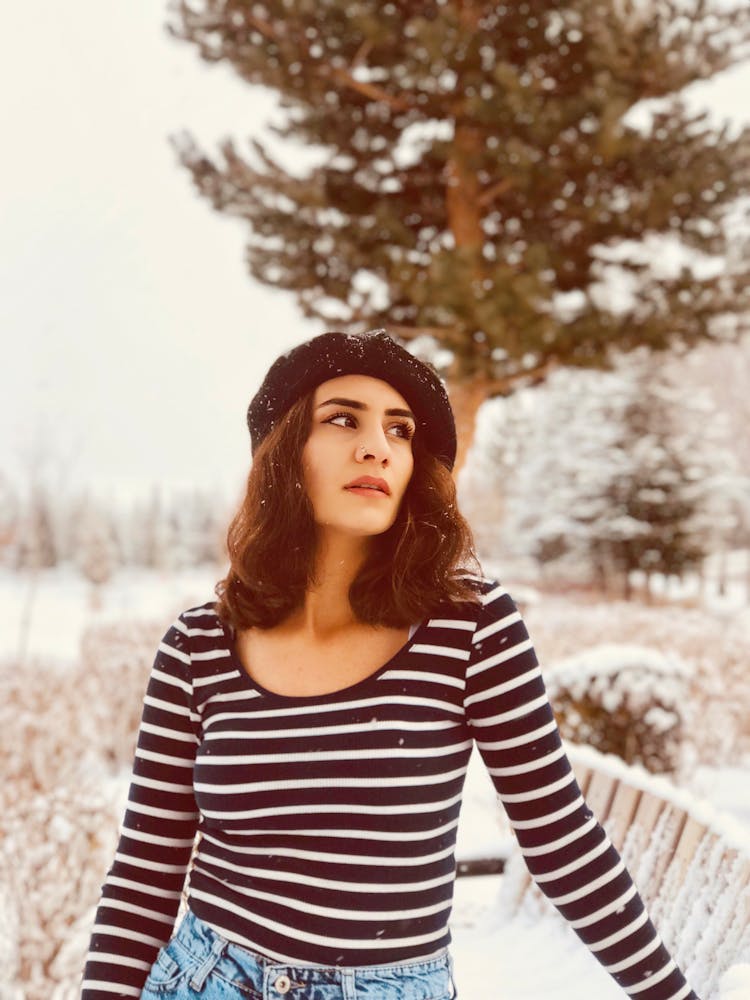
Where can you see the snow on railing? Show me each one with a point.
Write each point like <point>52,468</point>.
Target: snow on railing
<point>690,862</point>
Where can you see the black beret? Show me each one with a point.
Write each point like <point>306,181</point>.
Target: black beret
<point>375,353</point>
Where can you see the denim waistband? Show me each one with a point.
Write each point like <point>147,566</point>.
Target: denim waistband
<point>205,951</point>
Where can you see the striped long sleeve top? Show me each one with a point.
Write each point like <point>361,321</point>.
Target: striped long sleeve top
<point>327,824</point>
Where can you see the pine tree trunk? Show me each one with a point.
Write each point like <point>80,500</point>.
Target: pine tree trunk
<point>466,398</point>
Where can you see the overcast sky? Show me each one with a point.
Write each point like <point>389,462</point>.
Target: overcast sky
<point>133,337</point>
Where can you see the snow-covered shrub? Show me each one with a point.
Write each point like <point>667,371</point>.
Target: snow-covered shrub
<point>626,700</point>
<point>68,738</point>
<point>716,647</point>
<point>54,851</point>
<point>79,723</point>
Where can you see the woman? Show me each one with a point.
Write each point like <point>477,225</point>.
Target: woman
<point>314,725</point>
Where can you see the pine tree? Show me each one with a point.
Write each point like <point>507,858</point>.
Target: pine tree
<point>615,472</point>
<point>96,551</point>
<point>479,165</point>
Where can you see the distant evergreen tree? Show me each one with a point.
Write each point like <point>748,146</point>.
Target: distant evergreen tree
<point>96,551</point>
<point>481,175</point>
<point>9,519</point>
<point>37,542</point>
<point>152,533</point>
<point>615,472</point>
<point>667,483</point>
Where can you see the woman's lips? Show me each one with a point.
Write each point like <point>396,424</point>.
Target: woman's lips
<point>369,484</point>
<point>365,491</point>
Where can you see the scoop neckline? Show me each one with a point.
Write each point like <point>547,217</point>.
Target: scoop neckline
<point>312,699</point>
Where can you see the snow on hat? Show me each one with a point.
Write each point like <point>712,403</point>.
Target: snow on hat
<point>374,353</point>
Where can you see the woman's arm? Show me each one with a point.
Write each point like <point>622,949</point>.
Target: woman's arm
<point>565,849</point>
<point>142,889</point>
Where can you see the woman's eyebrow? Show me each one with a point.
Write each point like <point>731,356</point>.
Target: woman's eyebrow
<point>355,404</point>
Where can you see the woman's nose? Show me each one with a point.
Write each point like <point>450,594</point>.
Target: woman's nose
<point>373,445</point>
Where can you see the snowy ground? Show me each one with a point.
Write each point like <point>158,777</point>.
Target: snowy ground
<point>494,960</point>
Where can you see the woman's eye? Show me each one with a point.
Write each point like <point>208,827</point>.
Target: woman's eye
<point>341,420</point>
<point>404,430</point>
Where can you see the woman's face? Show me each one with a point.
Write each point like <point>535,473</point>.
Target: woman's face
<point>357,460</point>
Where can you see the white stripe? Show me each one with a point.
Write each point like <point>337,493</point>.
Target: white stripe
<point>533,765</point>
<point>320,731</point>
<point>548,818</point>
<point>202,612</point>
<point>336,857</point>
<point>110,959</point>
<point>167,706</point>
<point>108,987</point>
<point>620,934</point>
<point>349,833</point>
<point>657,977</point>
<point>350,808</point>
<point>323,939</point>
<point>515,713</point>
<point>215,678</point>
<point>164,758</point>
<point>179,626</point>
<point>636,957</point>
<point>458,623</point>
<point>492,595</point>
<point>406,781</point>
<point>493,661</point>
<point>343,706</point>
<point>338,912</point>
<point>144,887</point>
<point>419,675</point>
<point>496,626</point>
<point>152,838</point>
<point>156,866</point>
<point>176,654</point>
<point>324,756</point>
<point>246,694</point>
<point>429,650</point>
<point>178,682</point>
<point>119,904</point>
<point>127,934</point>
<point>519,741</point>
<point>161,786</point>
<point>139,807</point>
<point>205,631</point>
<point>605,911</point>
<point>213,654</point>
<point>555,845</point>
<point>573,866</point>
<point>683,992</point>
<point>539,793</point>
<point>498,689</point>
<point>170,734</point>
<point>590,887</point>
<point>273,875</point>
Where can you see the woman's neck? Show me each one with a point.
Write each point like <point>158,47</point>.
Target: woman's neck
<point>326,610</point>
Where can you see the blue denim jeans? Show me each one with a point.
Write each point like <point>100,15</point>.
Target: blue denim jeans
<point>199,964</point>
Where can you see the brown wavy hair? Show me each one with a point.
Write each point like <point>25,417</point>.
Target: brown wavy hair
<point>420,563</point>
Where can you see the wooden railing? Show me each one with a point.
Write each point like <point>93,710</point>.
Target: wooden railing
<point>690,863</point>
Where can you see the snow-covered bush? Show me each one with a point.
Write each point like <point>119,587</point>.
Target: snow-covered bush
<point>67,736</point>
<point>54,852</point>
<point>76,724</point>
<point>716,727</point>
<point>625,700</point>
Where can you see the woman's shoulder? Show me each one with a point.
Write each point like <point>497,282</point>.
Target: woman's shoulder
<point>485,591</point>
<point>492,599</point>
<point>200,620</point>
<point>487,588</point>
